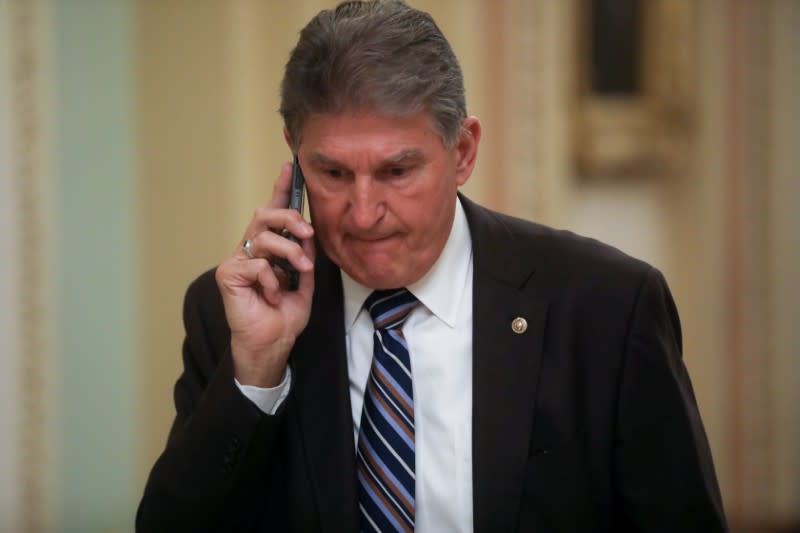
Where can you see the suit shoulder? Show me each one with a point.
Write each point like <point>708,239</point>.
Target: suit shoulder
<point>564,246</point>
<point>564,258</point>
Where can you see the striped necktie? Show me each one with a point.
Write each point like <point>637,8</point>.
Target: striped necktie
<point>385,455</point>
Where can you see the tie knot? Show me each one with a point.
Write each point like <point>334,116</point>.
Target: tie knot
<point>389,308</point>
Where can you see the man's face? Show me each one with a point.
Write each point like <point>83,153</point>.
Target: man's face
<point>382,191</point>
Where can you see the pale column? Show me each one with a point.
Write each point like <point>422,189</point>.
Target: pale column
<point>696,241</point>
<point>744,222</point>
<point>783,264</point>
<point>10,354</point>
<point>28,267</point>
<point>747,179</point>
<point>539,84</point>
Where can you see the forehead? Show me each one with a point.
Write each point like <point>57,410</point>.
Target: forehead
<point>328,131</point>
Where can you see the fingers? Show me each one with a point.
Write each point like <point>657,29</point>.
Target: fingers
<point>233,275</point>
<point>266,218</point>
<point>266,246</point>
<point>238,277</point>
<point>269,245</point>
<point>282,189</point>
<point>276,215</point>
<point>306,286</point>
<point>270,285</point>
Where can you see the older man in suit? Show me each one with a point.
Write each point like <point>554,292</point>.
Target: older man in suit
<point>441,367</point>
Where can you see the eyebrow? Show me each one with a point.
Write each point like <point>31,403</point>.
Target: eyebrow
<point>404,156</point>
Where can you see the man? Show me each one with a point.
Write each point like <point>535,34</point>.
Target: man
<point>514,378</point>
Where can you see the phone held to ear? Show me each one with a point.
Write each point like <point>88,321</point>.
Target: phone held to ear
<point>296,203</point>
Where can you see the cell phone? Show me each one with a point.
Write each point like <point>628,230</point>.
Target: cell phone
<point>295,202</point>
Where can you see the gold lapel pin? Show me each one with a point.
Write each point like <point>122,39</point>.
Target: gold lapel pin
<point>519,325</point>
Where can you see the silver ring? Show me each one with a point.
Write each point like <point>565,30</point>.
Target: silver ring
<point>248,249</point>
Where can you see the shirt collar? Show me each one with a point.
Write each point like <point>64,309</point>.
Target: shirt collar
<point>440,289</point>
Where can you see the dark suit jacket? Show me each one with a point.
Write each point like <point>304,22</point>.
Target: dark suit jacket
<point>585,422</point>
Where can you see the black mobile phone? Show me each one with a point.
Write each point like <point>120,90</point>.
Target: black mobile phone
<point>295,202</point>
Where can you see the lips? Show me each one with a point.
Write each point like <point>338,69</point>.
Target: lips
<point>371,238</point>
<point>377,239</point>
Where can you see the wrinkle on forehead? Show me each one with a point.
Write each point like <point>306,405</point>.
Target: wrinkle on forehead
<point>402,157</point>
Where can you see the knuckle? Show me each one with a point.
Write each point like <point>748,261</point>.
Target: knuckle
<point>298,251</point>
<point>224,272</point>
<point>222,269</point>
<point>267,279</point>
<point>265,240</point>
<point>295,217</point>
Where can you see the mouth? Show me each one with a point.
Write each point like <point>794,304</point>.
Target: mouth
<point>376,239</point>
<point>371,244</point>
<point>372,238</point>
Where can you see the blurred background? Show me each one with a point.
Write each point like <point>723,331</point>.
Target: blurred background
<point>138,136</point>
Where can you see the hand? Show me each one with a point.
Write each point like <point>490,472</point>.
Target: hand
<point>264,317</point>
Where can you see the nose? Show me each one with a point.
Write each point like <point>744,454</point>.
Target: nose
<point>366,202</point>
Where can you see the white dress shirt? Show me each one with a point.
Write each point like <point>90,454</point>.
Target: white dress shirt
<point>439,336</point>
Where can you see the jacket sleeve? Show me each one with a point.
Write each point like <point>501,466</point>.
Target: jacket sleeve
<point>219,456</point>
<point>663,469</point>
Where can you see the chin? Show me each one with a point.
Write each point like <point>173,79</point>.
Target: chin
<point>379,270</point>
<point>374,272</point>
<point>378,279</point>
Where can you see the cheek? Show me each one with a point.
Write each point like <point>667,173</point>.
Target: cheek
<point>327,222</point>
<point>320,207</point>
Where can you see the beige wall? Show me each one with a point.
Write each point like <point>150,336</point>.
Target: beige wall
<point>210,146</point>
<point>184,166</point>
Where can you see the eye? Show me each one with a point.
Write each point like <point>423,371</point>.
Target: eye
<point>397,171</point>
<point>335,172</point>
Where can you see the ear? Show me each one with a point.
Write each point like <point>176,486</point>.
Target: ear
<point>288,139</point>
<point>467,149</point>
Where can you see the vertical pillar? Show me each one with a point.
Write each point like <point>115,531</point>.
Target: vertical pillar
<point>95,260</point>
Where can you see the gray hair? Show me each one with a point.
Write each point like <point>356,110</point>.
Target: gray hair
<point>376,55</point>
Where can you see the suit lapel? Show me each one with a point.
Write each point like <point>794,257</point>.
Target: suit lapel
<point>323,403</point>
<point>506,369</point>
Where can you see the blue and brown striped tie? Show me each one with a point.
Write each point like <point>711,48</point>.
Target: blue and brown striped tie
<point>386,435</point>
